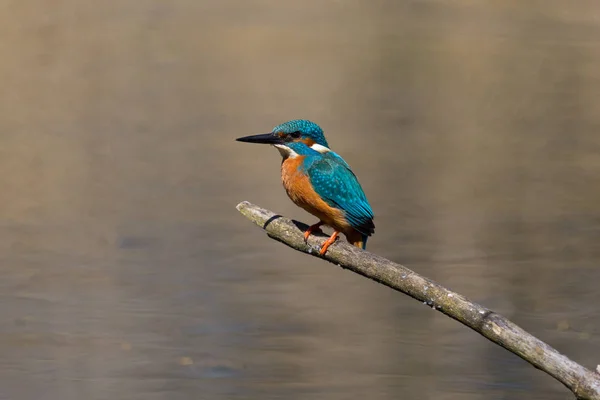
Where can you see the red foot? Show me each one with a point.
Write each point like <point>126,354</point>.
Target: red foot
<point>329,242</point>
<point>311,229</point>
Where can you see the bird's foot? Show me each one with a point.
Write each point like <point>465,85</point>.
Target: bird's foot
<point>329,242</point>
<point>311,229</point>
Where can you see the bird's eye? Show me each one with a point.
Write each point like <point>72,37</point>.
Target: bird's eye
<point>295,135</point>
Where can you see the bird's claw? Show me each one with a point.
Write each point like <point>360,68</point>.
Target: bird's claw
<point>312,229</point>
<point>328,243</point>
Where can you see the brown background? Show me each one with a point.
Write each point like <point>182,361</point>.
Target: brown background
<point>127,273</point>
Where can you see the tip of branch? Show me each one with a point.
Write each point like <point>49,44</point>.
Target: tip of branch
<point>254,213</point>
<point>240,207</point>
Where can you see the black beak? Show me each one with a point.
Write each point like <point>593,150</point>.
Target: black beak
<point>265,138</point>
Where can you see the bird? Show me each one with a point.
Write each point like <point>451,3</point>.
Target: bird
<point>320,181</point>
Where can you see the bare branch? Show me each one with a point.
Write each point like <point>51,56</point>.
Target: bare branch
<point>584,383</point>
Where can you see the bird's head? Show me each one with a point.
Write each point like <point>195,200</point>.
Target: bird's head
<point>297,130</point>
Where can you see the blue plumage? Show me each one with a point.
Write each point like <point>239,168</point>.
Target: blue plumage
<point>336,184</point>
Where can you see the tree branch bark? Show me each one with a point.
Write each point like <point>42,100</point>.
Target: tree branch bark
<point>584,383</point>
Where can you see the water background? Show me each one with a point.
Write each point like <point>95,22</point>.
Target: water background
<point>127,273</point>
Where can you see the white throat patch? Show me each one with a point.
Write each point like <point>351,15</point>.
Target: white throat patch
<point>285,151</point>
<point>319,148</point>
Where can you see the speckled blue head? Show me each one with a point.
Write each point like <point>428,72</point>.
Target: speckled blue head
<point>302,130</point>
<point>294,131</point>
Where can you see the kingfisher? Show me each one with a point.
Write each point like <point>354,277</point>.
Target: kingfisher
<point>319,180</point>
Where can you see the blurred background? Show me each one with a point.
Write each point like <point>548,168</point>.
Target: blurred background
<point>126,271</point>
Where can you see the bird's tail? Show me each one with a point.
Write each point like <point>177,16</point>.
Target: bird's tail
<point>364,242</point>
<point>357,239</point>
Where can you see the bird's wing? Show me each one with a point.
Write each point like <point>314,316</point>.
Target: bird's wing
<point>335,182</point>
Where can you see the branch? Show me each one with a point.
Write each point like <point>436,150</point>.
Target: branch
<point>584,383</point>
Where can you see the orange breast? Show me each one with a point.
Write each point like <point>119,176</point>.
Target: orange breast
<point>298,187</point>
